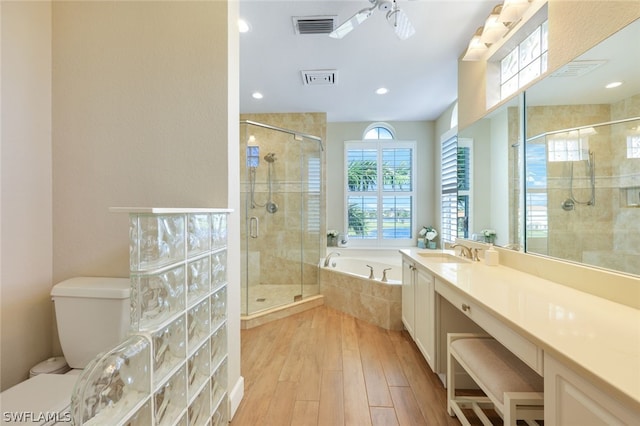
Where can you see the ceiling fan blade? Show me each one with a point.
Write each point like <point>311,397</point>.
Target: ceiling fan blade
<point>400,23</point>
<point>348,26</point>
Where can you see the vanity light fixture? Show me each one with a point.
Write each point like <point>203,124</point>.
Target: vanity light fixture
<point>613,84</point>
<point>494,29</point>
<point>257,95</point>
<point>477,48</point>
<point>382,91</point>
<point>512,10</point>
<point>501,20</point>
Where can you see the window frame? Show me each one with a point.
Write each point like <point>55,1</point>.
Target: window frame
<point>379,145</point>
<point>468,144</point>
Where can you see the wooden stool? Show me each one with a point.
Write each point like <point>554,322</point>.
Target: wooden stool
<point>512,388</point>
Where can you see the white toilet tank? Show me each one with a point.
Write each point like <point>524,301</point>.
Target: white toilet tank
<point>92,315</point>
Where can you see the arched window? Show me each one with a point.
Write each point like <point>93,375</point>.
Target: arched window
<point>379,131</point>
<point>379,190</point>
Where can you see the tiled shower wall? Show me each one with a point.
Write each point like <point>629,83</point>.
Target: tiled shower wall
<point>274,257</point>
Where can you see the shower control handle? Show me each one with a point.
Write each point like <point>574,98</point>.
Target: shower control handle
<point>253,227</point>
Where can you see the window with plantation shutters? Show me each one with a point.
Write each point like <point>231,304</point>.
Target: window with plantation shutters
<point>536,213</point>
<point>449,190</point>
<point>380,190</point>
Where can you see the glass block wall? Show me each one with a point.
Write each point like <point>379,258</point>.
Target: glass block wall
<point>172,369</point>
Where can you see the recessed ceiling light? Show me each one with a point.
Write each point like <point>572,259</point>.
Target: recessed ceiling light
<point>257,95</point>
<point>613,84</point>
<point>382,90</point>
<point>243,26</point>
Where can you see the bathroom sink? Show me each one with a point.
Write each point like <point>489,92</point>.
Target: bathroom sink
<point>442,258</point>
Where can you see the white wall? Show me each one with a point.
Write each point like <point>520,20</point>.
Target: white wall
<point>26,221</point>
<point>420,131</point>
<point>481,178</point>
<point>236,382</point>
<point>139,119</point>
<point>499,201</point>
<point>144,114</point>
<point>110,104</point>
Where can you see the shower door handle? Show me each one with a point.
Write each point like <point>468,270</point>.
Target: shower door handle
<point>253,227</point>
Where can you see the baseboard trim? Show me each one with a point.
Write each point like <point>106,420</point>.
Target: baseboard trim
<point>235,397</point>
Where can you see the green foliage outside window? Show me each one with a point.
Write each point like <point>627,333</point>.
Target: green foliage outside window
<point>357,222</point>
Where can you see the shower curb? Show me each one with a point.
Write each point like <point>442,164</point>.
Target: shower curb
<point>251,321</point>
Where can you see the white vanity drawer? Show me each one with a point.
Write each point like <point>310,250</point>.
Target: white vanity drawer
<point>529,353</point>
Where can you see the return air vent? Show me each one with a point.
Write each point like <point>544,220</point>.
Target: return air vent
<point>314,24</point>
<point>319,77</point>
<point>577,68</point>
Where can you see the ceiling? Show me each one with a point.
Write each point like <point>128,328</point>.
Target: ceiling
<point>420,72</point>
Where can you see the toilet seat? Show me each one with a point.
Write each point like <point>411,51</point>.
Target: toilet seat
<point>40,400</point>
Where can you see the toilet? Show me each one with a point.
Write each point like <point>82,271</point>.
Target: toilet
<point>92,314</point>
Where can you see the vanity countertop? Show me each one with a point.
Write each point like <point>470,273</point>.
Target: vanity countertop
<point>598,338</point>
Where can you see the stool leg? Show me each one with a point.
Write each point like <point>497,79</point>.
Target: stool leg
<point>451,382</point>
<point>532,407</point>
<point>510,410</point>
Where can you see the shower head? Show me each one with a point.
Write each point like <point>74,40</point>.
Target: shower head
<point>270,157</point>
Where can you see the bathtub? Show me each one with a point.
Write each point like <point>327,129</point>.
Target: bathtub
<point>358,267</point>
<point>346,286</point>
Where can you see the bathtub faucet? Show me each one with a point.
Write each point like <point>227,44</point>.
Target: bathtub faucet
<point>384,275</point>
<point>371,276</point>
<point>328,258</point>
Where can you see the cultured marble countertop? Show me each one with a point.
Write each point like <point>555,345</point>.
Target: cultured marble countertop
<point>598,338</point>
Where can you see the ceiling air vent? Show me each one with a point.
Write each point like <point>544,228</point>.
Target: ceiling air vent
<point>319,77</point>
<point>577,68</point>
<point>314,24</point>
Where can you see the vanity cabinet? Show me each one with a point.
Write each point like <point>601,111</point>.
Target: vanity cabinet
<point>424,312</point>
<point>418,308</point>
<point>408,295</point>
<point>572,399</point>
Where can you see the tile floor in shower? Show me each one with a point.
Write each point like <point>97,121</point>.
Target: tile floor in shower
<point>267,296</point>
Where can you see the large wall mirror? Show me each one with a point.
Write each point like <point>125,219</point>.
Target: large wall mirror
<point>572,189</point>
<point>582,164</point>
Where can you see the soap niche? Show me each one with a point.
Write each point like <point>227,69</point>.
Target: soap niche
<point>630,197</point>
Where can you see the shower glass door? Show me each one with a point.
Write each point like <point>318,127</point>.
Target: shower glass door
<point>281,197</point>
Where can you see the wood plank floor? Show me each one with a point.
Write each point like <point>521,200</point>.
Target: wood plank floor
<point>324,367</point>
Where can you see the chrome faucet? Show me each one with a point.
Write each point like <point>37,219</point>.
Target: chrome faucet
<point>371,276</point>
<point>328,258</point>
<point>464,250</point>
<point>384,275</point>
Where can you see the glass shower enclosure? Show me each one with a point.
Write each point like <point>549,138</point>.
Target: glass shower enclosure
<point>281,185</point>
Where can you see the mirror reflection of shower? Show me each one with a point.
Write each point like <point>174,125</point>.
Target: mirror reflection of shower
<point>253,162</point>
<point>570,202</point>
<point>572,146</point>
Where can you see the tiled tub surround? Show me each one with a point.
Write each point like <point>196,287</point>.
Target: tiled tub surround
<point>370,300</point>
<point>590,345</point>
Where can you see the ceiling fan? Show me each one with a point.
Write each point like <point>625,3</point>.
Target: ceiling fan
<point>396,17</point>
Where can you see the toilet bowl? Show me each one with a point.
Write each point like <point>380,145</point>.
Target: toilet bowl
<point>41,400</point>
<point>92,314</point>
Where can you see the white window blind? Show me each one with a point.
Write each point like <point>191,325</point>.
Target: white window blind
<point>312,210</point>
<point>380,190</point>
<point>449,192</point>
